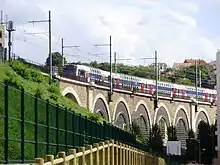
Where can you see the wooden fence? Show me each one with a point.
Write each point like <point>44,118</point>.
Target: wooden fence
<point>103,153</point>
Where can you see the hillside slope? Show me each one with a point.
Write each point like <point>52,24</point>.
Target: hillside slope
<point>19,75</point>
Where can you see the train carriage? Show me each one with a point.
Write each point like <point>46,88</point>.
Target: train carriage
<point>142,85</point>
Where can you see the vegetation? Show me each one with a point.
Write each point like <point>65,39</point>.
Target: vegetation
<point>155,141</point>
<point>185,76</point>
<point>18,75</point>
<point>56,60</point>
<point>171,132</point>
<point>204,145</point>
<point>135,129</point>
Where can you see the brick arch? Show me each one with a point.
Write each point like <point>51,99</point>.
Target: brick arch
<point>182,130</point>
<point>70,90</point>
<point>162,112</point>
<point>201,115</point>
<point>182,114</point>
<point>121,103</point>
<point>145,113</point>
<point>100,104</point>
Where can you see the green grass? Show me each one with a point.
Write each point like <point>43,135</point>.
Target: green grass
<point>19,76</point>
<point>22,76</point>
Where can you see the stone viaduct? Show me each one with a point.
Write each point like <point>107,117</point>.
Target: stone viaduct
<point>127,106</point>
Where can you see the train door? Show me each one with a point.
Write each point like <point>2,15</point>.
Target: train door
<point>174,92</point>
<point>206,95</point>
<point>183,93</point>
<point>151,89</point>
<point>142,87</point>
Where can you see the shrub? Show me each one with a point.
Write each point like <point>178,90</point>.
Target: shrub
<point>39,92</point>
<point>54,89</point>
<point>13,80</point>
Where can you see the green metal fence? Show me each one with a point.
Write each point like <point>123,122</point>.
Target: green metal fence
<point>31,127</point>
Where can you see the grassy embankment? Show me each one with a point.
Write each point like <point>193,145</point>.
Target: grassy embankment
<point>20,76</point>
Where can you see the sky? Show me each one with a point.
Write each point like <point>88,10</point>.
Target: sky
<point>176,29</point>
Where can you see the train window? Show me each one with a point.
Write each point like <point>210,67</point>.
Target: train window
<point>81,72</point>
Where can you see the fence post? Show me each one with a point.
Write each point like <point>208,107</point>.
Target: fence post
<point>82,161</point>
<point>120,154</point>
<point>66,123</point>
<point>50,158</point>
<point>116,153</point>
<point>39,161</point>
<point>102,153</point>
<point>124,154</point>
<point>96,145</point>
<point>62,155</point>
<point>108,153</point>
<point>36,126</point>
<point>22,124</point>
<point>73,152</point>
<point>57,125</point>
<point>73,127</point>
<point>6,123</point>
<point>90,158</point>
<point>47,128</point>
<point>112,152</point>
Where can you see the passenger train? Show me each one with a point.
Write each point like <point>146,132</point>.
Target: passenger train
<point>138,84</point>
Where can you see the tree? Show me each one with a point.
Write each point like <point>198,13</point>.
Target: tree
<point>135,129</point>
<point>206,142</point>
<point>191,146</point>
<point>56,60</point>
<point>155,141</point>
<point>191,134</point>
<point>171,132</point>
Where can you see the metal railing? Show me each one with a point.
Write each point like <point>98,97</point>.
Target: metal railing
<point>31,127</point>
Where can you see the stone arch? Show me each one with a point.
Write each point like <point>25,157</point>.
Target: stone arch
<point>162,111</point>
<point>182,131</point>
<point>142,117</point>
<point>182,124</point>
<point>162,118</point>
<point>162,123</point>
<point>141,102</point>
<point>69,91</point>
<point>181,112</point>
<point>100,105</point>
<point>201,115</point>
<point>121,111</point>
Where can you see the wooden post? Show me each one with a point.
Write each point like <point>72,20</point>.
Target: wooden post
<point>50,158</point>
<point>90,160</point>
<point>112,153</point>
<point>102,153</point>
<point>116,153</point>
<point>62,155</point>
<point>107,153</point>
<point>120,155</point>
<point>72,152</point>
<point>82,161</point>
<point>124,155</point>
<point>129,155</point>
<point>39,161</point>
<point>135,157</point>
<point>96,145</point>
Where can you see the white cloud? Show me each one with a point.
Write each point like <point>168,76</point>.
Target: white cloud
<point>138,27</point>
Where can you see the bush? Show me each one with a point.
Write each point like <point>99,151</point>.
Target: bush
<point>39,92</point>
<point>54,89</point>
<point>26,73</point>
<point>13,80</point>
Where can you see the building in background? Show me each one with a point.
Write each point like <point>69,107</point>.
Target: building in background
<point>188,62</point>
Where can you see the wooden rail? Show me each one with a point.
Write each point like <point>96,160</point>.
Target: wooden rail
<point>108,153</point>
